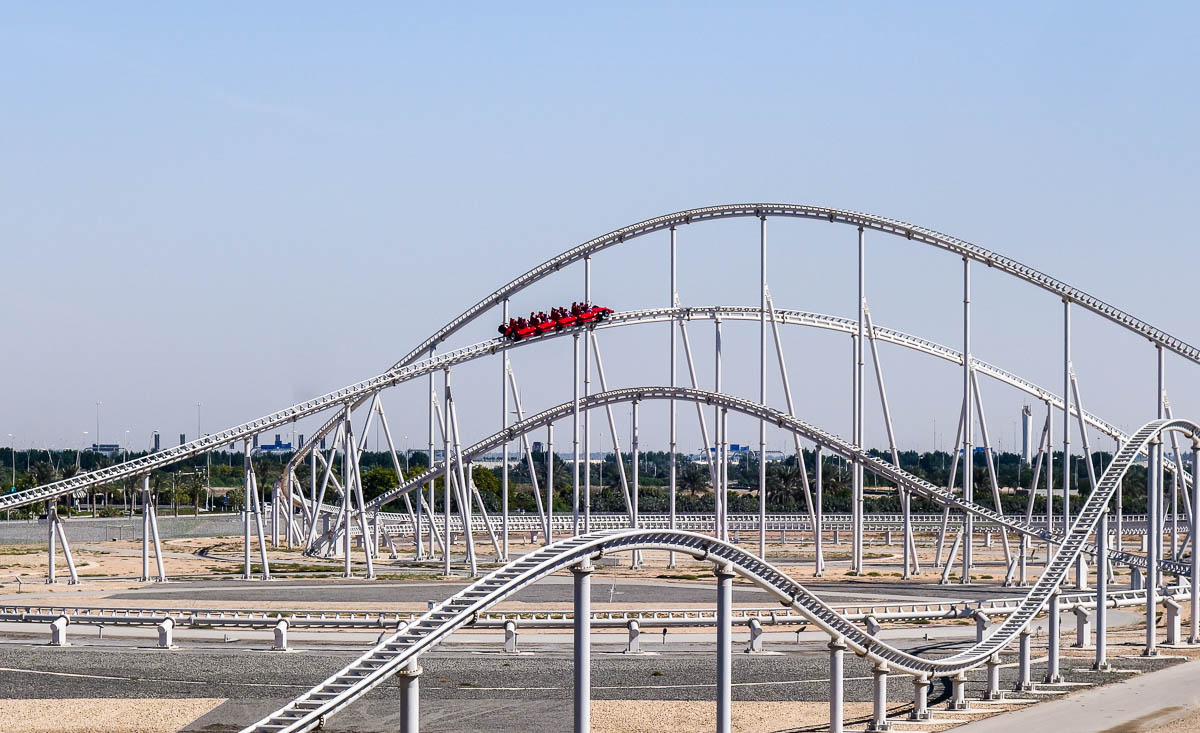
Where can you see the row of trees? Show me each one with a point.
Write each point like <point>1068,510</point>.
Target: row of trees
<point>187,485</point>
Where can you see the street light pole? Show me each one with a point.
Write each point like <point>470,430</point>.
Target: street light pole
<point>12,449</point>
<point>98,403</point>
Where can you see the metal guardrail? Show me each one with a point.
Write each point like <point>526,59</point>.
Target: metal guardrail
<point>547,619</point>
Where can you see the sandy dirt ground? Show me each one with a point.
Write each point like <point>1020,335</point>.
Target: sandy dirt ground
<point>657,716</point>
<point>102,715</point>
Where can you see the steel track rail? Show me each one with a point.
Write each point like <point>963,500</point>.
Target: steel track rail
<point>829,441</point>
<point>963,248</point>
<point>338,398</point>
<point>356,679</point>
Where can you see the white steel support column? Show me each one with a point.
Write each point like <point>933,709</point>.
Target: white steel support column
<point>857,498</point>
<point>1101,662</point>
<point>58,533</point>
<point>612,427</point>
<point>247,472</point>
<point>879,721</point>
<point>819,524</point>
<point>636,489</point>
<point>528,451</point>
<point>1120,509</point>
<point>991,467</point>
<point>583,646</point>
<point>724,648</point>
<point>1153,488</point>
<point>575,434</point>
<point>1024,661</point>
<point>464,486</point>
<point>347,490</point>
<point>1194,636</point>
<point>400,473</point>
<point>258,526</point>
<point>725,474</point>
<point>1080,572</point>
<point>1049,478</point>
<point>968,474</point>
<point>787,395</point>
<point>430,486</point>
<point>587,414</point>
<point>410,697</point>
<point>52,539</point>
<point>837,652</point>
<point>953,476</point>
<point>911,563</point>
<point>289,476</point>
<point>504,446</point>
<point>310,530</point>
<point>717,457</point>
<point>920,709</point>
<point>673,417</point>
<point>550,483</point>
<point>762,387</point>
<point>1160,517</point>
<point>446,542</point>
<point>1052,673</point>
<point>704,437</point>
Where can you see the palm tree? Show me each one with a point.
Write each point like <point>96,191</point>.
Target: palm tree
<point>692,479</point>
<point>783,486</point>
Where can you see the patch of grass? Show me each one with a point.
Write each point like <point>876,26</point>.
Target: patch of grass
<point>656,673</point>
<point>874,574</point>
<point>851,573</point>
<point>17,550</point>
<point>467,684</point>
<point>679,576</point>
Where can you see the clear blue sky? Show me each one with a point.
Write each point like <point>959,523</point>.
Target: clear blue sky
<point>248,205</point>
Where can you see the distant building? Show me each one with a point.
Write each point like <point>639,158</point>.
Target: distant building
<point>277,447</point>
<point>107,449</point>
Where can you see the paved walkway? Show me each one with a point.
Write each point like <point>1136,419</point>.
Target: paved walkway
<point>1140,703</point>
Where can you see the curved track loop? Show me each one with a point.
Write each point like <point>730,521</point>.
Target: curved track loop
<point>829,441</point>
<point>395,376</point>
<point>895,227</point>
<point>373,667</point>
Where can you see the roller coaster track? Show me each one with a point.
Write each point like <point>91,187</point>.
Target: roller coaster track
<point>879,467</point>
<point>954,245</point>
<point>395,376</point>
<point>373,667</point>
<point>785,317</point>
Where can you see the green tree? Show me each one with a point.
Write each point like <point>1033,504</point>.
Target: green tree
<point>691,478</point>
<point>378,479</point>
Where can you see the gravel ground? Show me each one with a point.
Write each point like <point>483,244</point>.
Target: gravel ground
<point>102,715</point>
<point>471,690</point>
